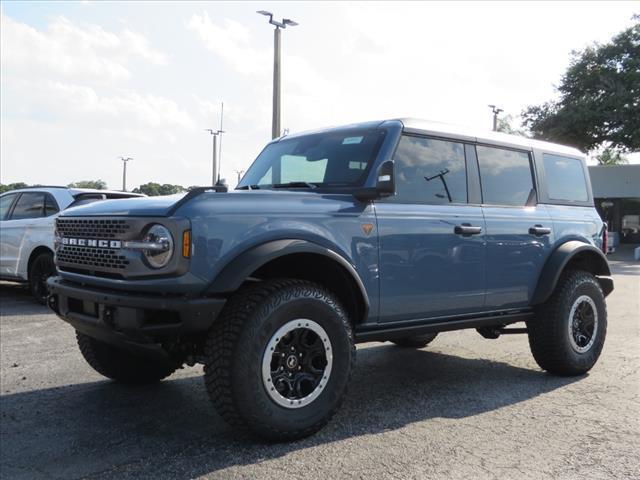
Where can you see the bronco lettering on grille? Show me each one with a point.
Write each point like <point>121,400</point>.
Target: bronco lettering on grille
<point>88,242</point>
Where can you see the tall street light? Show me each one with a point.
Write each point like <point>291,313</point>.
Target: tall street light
<point>215,176</point>
<point>275,124</point>
<point>495,111</point>
<point>125,160</point>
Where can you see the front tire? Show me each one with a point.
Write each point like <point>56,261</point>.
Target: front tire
<point>42,267</point>
<point>568,332</point>
<point>279,360</point>
<point>121,365</point>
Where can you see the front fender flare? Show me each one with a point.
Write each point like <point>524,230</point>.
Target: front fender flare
<point>559,259</point>
<point>233,275</point>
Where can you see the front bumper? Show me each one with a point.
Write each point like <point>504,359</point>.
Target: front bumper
<point>133,321</point>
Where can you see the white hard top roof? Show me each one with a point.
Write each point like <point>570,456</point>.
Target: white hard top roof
<point>480,135</point>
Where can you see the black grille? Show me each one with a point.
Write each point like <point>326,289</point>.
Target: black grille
<point>92,228</point>
<point>92,257</point>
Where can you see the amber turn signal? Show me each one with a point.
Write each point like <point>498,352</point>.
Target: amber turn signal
<point>186,243</point>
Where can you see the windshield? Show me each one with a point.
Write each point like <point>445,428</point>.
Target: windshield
<point>335,158</point>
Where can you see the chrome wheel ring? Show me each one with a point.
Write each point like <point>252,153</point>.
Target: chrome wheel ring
<point>583,324</point>
<point>296,364</point>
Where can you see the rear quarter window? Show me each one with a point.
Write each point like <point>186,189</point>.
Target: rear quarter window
<point>566,180</point>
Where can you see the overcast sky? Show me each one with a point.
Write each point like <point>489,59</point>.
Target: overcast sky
<point>85,82</point>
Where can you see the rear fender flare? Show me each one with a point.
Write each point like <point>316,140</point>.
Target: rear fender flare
<point>559,260</point>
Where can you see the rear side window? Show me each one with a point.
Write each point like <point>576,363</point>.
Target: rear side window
<point>505,175</point>
<point>430,171</point>
<point>50,205</point>
<point>30,205</point>
<point>5,204</point>
<point>565,178</point>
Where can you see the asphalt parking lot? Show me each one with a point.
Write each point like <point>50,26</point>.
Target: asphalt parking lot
<point>464,407</point>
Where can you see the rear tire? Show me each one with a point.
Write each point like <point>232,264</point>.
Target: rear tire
<point>254,384</point>
<point>418,341</point>
<point>568,332</point>
<point>42,267</point>
<point>121,365</point>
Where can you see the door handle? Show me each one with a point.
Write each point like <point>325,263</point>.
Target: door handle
<point>467,229</point>
<point>539,230</point>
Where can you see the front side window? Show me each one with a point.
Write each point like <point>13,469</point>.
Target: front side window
<point>565,178</point>
<point>335,158</point>
<point>30,205</point>
<point>430,171</point>
<point>5,204</point>
<point>505,176</point>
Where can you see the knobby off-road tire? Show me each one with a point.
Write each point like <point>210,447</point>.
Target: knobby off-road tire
<point>418,341</point>
<point>241,368</point>
<point>568,332</point>
<point>41,268</point>
<point>121,365</point>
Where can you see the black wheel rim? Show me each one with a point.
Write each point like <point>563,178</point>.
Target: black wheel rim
<point>42,270</point>
<point>583,324</point>
<point>297,363</point>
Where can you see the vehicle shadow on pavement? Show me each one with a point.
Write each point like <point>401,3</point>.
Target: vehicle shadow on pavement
<point>15,299</point>
<point>104,430</point>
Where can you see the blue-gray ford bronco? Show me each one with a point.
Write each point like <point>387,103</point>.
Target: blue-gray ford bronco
<point>381,231</point>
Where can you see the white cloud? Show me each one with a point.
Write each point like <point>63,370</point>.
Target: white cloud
<point>232,42</point>
<point>70,51</point>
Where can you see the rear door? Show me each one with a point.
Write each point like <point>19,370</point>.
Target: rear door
<point>26,225</point>
<point>6,264</point>
<point>519,231</point>
<point>431,237</point>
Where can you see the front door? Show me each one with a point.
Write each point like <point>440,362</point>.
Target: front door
<point>432,246</point>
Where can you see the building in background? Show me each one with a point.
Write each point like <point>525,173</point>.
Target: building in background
<point>616,190</point>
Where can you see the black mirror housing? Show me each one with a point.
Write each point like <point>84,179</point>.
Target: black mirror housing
<point>385,183</point>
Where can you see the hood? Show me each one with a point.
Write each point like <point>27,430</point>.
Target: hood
<point>214,203</point>
<point>130,207</point>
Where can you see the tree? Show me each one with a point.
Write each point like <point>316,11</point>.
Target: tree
<point>505,125</point>
<point>95,184</point>
<point>599,98</point>
<point>12,186</point>
<point>155,189</point>
<point>610,157</point>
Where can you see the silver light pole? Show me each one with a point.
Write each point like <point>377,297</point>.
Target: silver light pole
<point>214,159</point>
<point>125,160</point>
<point>275,123</point>
<point>495,111</point>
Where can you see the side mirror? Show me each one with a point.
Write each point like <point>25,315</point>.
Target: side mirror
<point>386,179</point>
<point>385,183</point>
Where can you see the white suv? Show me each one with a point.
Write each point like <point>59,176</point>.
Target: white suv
<point>27,224</point>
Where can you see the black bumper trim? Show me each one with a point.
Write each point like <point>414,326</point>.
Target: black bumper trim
<point>127,319</point>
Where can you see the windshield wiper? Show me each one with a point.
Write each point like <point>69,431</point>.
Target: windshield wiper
<point>295,185</point>
<point>248,187</point>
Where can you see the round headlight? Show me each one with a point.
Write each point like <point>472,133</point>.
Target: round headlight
<point>161,246</point>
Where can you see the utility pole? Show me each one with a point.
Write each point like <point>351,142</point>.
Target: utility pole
<point>275,123</point>
<point>239,173</point>
<point>220,132</point>
<point>124,171</point>
<point>495,111</point>
<point>215,174</point>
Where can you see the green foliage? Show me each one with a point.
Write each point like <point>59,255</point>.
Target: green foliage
<point>12,186</point>
<point>505,125</point>
<point>154,189</point>
<point>599,100</point>
<point>95,184</point>
<point>611,157</point>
